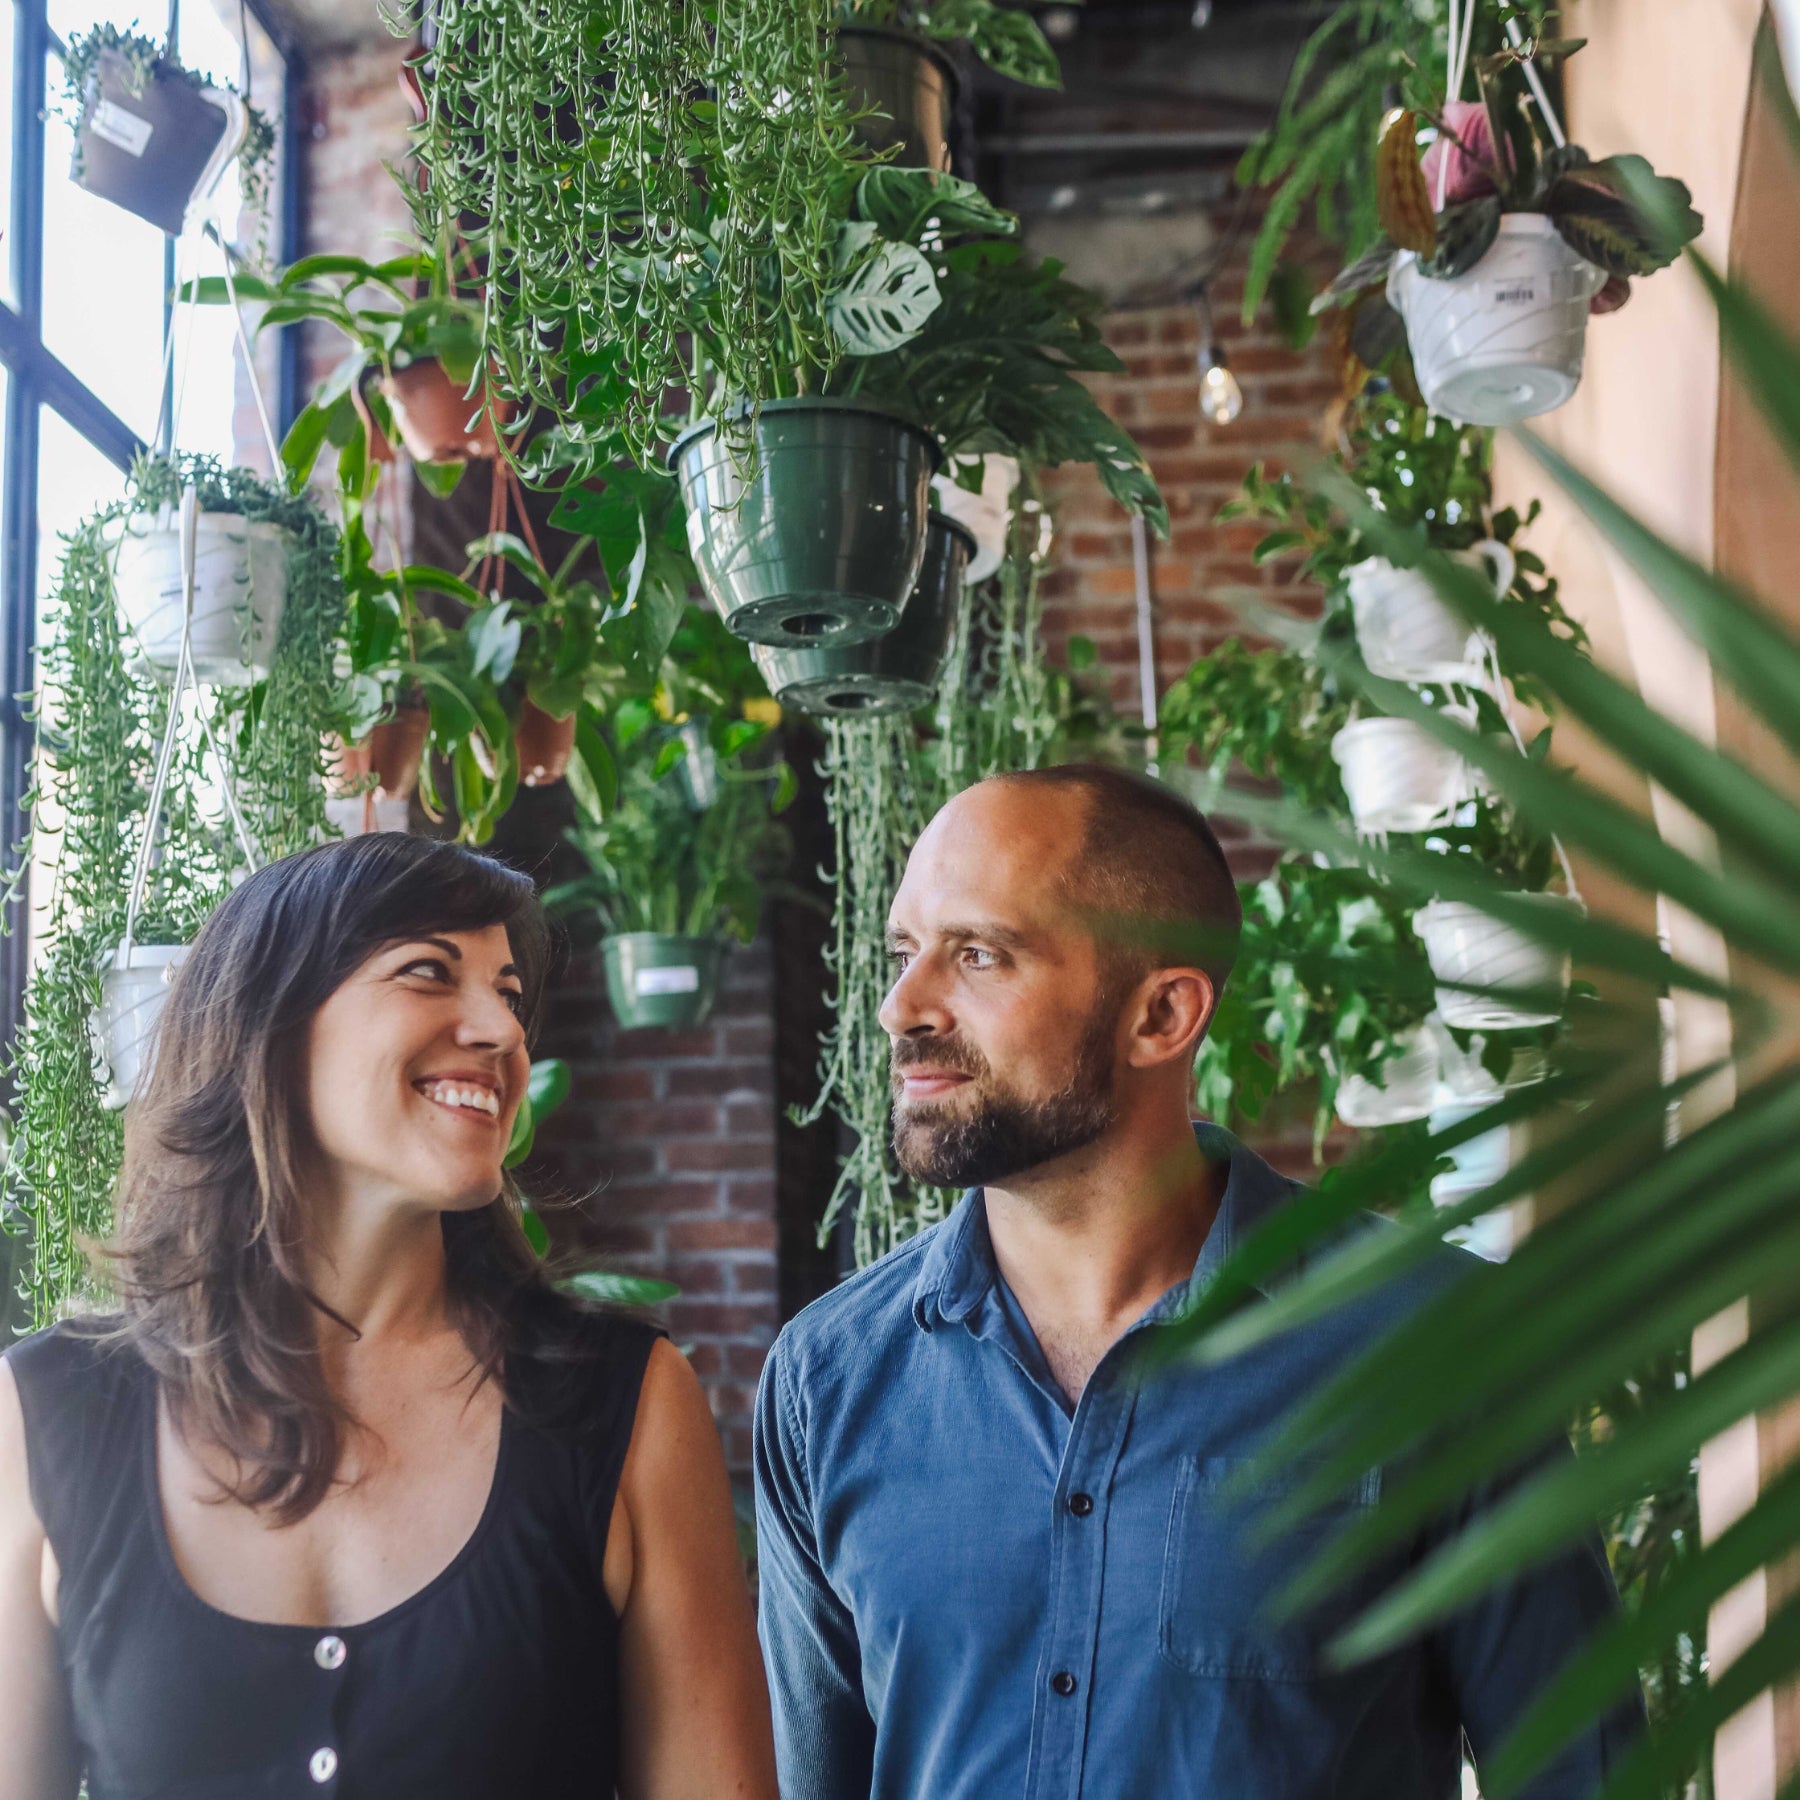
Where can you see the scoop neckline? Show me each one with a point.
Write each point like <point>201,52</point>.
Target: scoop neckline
<point>185,1590</point>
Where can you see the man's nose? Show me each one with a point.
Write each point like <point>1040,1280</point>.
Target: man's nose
<point>915,1005</point>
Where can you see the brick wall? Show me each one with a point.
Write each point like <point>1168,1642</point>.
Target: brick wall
<point>669,1137</point>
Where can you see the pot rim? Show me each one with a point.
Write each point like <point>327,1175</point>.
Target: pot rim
<point>148,525</point>
<point>1461,714</point>
<point>808,403</point>
<point>661,937</point>
<point>942,521</point>
<point>146,956</point>
<point>929,48</point>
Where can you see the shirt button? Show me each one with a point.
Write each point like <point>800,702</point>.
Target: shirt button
<point>323,1765</point>
<point>1063,1683</point>
<point>329,1652</point>
<point>1081,1505</point>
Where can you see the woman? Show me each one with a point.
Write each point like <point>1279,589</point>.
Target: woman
<point>347,1499</point>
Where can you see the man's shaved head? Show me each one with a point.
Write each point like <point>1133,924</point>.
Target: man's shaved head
<point>1148,870</point>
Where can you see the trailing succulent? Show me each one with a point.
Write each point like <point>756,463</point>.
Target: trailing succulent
<point>1488,159</point>
<point>101,718</point>
<point>144,60</point>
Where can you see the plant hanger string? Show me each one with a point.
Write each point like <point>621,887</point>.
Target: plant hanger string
<point>1462,30</point>
<point>1551,123</point>
<point>165,756</point>
<point>1502,703</point>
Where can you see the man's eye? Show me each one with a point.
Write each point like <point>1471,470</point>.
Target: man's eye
<point>979,959</point>
<point>899,958</point>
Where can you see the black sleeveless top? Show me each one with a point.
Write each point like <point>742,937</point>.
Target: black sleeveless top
<point>497,1681</point>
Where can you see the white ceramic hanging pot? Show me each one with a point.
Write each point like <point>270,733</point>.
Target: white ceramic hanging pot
<point>240,591</point>
<point>1475,1165</point>
<point>1407,631</point>
<point>1402,1087</point>
<point>1465,1072</point>
<point>1503,341</point>
<point>1398,777</point>
<point>985,514</point>
<point>1469,948</point>
<point>132,992</point>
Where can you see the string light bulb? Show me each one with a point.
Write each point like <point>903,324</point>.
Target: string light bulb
<point>1221,399</point>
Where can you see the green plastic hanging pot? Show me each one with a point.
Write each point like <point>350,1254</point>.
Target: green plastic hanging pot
<point>906,88</point>
<point>656,979</point>
<point>897,671</point>
<point>807,519</point>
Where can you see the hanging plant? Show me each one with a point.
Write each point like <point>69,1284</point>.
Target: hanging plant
<point>153,136</point>
<point>1499,242</point>
<point>1006,38</point>
<point>101,716</point>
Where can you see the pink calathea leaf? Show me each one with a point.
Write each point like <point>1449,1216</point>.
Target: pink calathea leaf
<point>1462,156</point>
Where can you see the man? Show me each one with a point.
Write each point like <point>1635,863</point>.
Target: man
<point>999,1553</point>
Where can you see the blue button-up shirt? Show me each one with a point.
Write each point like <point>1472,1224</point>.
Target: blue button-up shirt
<point>971,1592</point>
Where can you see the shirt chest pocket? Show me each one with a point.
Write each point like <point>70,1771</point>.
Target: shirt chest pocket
<point>1219,1578</point>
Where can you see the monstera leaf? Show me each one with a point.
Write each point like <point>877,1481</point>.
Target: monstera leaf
<point>887,297</point>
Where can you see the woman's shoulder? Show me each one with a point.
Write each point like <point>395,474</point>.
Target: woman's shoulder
<point>577,1367</point>
<point>87,1356</point>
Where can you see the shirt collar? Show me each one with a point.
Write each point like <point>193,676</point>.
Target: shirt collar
<point>958,1267</point>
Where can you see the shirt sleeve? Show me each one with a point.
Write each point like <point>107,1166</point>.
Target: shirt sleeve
<point>824,1736</point>
<point>1503,1651</point>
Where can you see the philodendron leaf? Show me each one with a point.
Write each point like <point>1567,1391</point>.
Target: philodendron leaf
<point>494,641</point>
<point>1466,232</point>
<point>885,302</point>
<point>1622,216</point>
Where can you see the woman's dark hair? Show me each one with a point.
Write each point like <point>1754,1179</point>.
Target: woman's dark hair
<point>209,1252</point>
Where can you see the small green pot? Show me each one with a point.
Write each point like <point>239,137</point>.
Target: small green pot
<point>909,80</point>
<point>656,979</point>
<point>892,673</point>
<point>807,521</point>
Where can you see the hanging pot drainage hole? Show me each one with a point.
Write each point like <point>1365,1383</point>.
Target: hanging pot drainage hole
<point>813,625</point>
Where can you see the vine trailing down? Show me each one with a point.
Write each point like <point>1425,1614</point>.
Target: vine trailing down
<point>1000,705</point>
<point>101,716</point>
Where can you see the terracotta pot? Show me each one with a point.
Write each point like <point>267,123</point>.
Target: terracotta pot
<point>390,753</point>
<point>434,415</point>
<point>545,744</point>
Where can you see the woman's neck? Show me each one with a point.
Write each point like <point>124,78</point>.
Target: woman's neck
<point>379,1267</point>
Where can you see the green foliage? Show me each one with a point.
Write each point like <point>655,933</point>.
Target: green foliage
<point>145,60</point>
<point>100,717</point>
<point>1651,1236</point>
<point>657,862</point>
<point>1008,39</point>
<point>706,149</point>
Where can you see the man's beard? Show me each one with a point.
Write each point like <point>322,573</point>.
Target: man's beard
<point>1001,1135</point>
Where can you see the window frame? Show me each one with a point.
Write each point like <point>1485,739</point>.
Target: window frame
<point>36,378</point>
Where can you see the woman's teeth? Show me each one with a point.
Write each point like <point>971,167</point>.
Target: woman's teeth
<point>447,1093</point>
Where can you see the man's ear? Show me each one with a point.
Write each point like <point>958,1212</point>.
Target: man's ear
<point>1173,1010</point>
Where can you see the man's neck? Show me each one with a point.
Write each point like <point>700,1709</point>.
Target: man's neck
<point>1089,1243</point>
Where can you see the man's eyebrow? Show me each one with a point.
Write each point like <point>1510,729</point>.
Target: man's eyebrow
<point>1002,937</point>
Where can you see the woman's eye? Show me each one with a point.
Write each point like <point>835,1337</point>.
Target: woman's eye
<point>430,965</point>
<point>515,998</point>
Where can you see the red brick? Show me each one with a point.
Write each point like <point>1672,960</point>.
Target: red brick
<point>713,1154</point>
<point>756,1039</point>
<point>658,1119</point>
<point>747,1195</point>
<point>612,1083</point>
<point>718,1319</point>
<point>723,1234</point>
<point>716,1079</point>
<point>702,1041</point>
<point>696,1275</point>
<point>751,1120</point>
<point>745,1361</point>
<point>670,1198</point>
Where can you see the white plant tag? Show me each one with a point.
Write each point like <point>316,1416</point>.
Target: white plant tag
<point>1515,290</point>
<point>682,980</point>
<point>119,126</point>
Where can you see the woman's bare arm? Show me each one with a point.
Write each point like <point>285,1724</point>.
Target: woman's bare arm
<point>39,1763</point>
<point>693,1702</point>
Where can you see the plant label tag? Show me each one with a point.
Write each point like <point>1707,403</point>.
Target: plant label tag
<point>1515,290</point>
<point>683,980</point>
<point>121,127</point>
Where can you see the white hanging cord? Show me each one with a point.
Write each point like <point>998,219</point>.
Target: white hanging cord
<point>165,755</point>
<point>1551,121</point>
<point>1462,29</point>
<point>243,338</point>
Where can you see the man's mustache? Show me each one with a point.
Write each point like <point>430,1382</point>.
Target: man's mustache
<point>940,1053</point>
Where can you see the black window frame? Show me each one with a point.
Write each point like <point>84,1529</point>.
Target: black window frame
<point>36,378</point>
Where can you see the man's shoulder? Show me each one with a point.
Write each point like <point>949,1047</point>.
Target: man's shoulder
<point>1421,1277</point>
<point>862,1315</point>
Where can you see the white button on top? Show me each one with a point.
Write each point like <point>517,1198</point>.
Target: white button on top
<point>329,1652</point>
<point>323,1765</point>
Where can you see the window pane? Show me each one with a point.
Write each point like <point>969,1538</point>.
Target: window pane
<point>67,17</point>
<point>103,286</point>
<point>8,284</point>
